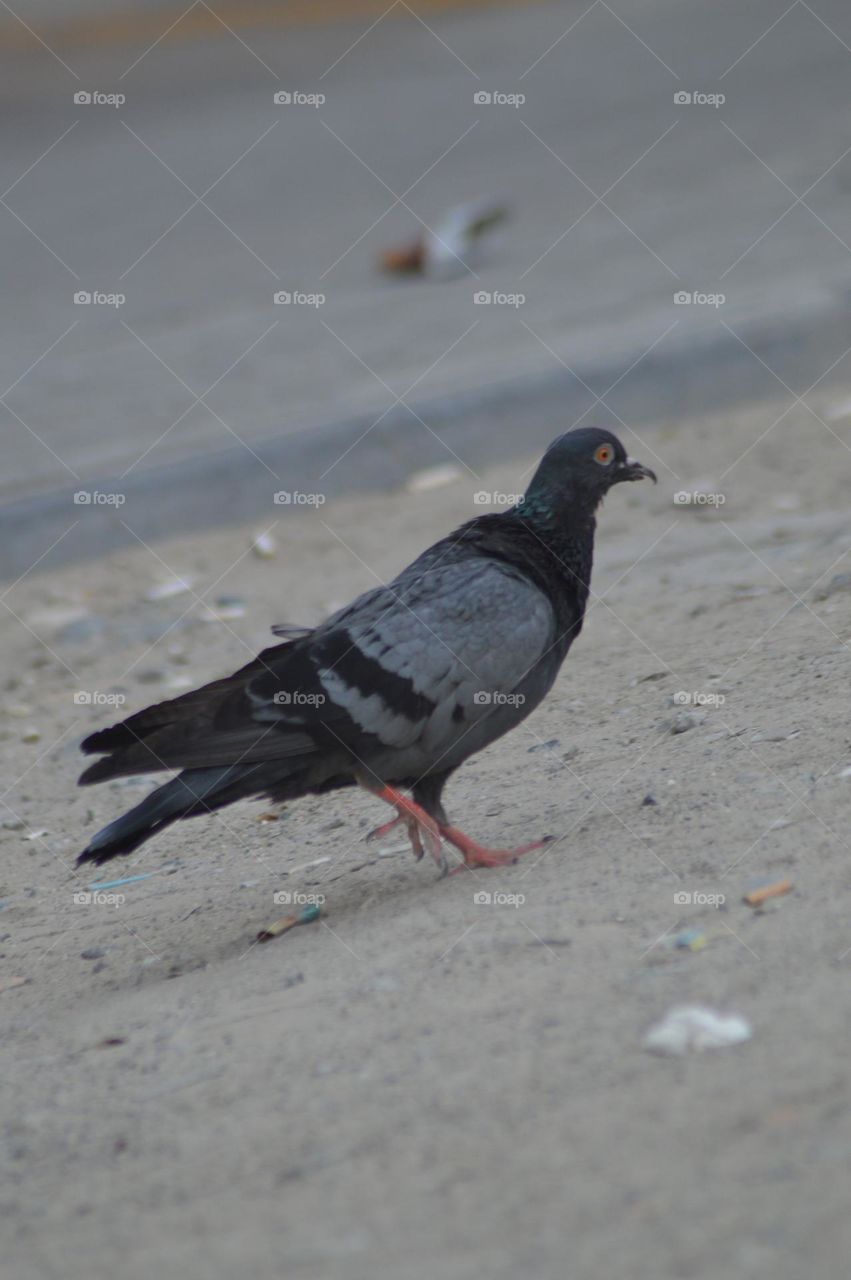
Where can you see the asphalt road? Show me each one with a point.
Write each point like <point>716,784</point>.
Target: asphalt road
<point>198,198</point>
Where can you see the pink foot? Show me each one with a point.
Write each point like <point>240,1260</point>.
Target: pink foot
<point>479,855</point>
<point>423,831</point>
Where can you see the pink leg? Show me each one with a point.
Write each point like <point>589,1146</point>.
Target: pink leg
<point>422,828</point>
<point>479,855</point>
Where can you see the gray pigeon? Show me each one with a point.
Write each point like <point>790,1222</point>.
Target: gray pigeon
<point>397,689</point>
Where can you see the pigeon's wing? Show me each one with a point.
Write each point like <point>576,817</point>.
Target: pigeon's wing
<point>379,676</point>
<point>408,661</point>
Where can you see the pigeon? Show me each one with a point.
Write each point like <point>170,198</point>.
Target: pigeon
<point>397,689</point>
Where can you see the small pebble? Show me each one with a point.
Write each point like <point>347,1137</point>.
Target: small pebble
<point>839,582</point>
<point>93,953</point>
<point>149,675</point>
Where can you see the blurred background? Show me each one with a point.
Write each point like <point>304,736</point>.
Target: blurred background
<point>669,186</point>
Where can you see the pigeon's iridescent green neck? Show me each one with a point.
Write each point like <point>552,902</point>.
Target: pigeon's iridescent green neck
<point>537,508</point>
<point>549,509</point>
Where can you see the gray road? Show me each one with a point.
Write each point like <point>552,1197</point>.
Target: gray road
<point>198,199</point>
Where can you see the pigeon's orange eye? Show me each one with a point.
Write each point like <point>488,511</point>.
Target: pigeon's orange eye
<point>604,454</point>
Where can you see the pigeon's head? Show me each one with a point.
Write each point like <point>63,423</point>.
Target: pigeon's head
<point>580,467</point>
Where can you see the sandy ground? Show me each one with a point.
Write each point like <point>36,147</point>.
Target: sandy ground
<point>420,1084</point>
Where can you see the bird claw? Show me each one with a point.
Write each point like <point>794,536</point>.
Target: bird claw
<point>423,831</point>
<point>378,833</point>
<point>479,855</point>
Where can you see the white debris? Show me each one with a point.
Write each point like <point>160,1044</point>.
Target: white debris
<point>837,412</point>
<point>694,1027</point>
<point>168,588</point>
<point>56,616</point>
<point>180,682</point>
<point>433,478</point>
<point>786,502</point>
<point>226,609</point>
<point>453,245</point>
<point>264,546</point>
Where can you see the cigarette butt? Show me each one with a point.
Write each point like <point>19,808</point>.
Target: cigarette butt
<point>305,916</point>
<point>756,897</point>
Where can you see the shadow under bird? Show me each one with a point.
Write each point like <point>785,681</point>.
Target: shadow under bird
<point>396,690</point>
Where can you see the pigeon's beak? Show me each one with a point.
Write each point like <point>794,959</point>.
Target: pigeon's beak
<point>632,470</point>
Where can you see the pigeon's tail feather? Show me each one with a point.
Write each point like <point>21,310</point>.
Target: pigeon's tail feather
<point>193,792</point>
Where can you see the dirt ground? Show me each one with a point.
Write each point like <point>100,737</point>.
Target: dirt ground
<point>420,1084</point>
